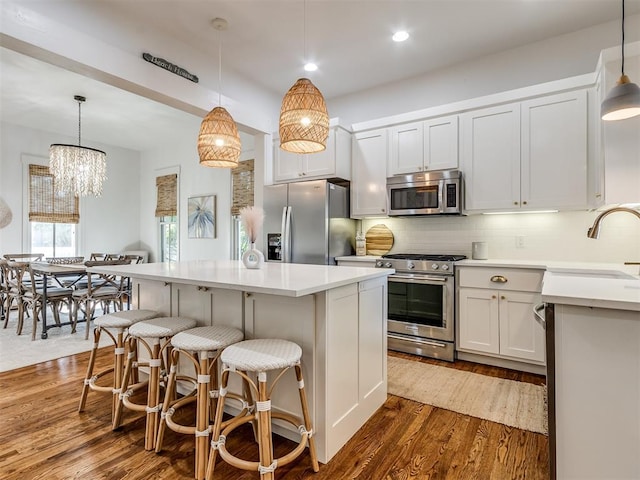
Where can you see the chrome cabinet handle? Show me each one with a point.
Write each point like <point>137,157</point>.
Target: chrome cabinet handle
<point>540,318</point>
<point>499,279</point>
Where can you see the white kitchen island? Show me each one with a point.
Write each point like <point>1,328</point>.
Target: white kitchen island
<point>593,361</point>
<point>336,314</point>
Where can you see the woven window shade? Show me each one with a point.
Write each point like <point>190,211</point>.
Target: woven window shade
<point>242,184</point>
<point>45,205</point>
<point>167,203</point>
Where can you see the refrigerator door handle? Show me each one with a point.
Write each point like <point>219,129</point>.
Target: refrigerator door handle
<point>283,235</point>
<point>286,241</point>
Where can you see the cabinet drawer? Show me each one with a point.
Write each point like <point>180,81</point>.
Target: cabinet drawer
<point>526,280</point>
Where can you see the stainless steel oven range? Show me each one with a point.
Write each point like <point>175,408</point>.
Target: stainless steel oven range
<point>421,302</point>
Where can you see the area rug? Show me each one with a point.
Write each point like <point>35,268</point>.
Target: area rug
<point>19,350</point>
<point>517,404</point>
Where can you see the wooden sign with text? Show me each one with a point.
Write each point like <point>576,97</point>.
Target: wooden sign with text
<point>162,63</point>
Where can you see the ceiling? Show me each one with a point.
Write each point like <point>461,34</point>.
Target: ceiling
<point>265,45</point>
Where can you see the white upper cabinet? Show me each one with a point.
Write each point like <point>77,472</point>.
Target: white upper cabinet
<point>423,146</point>
<point>527,155</point>
<point>334,161</point>
<point>491,158</point>
<point>369,174</point>
<point>554,151</point>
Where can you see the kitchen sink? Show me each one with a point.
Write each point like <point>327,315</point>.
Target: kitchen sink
<point>604,274</point>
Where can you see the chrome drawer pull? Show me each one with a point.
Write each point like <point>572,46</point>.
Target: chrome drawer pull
<point>499,279</point>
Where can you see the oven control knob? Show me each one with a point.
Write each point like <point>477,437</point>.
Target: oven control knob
<point>388,264</point>
<point>411,265</point>
<point>379,263</point>
<point>434,266</point>
<point>445,267</point>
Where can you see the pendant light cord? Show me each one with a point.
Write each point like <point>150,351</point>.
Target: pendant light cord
<point>304,28</point>
<point>622,37</point>
<point>219,68</point>
<point>79,121</point>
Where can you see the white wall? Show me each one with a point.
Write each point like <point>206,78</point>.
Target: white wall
<point>547,236</point>
<point>194,179</point>
<point>108,223</point>
<point>552,59</point>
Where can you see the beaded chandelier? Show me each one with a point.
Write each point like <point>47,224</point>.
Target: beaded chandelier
<point>76,169</point>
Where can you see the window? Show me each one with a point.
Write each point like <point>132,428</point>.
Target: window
<point>167,214</point>
<point>52,215</point>
<point>168,238</point>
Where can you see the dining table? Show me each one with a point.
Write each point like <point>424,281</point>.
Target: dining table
<point>73,272</point>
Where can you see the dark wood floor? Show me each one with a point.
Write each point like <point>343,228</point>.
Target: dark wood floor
<point>43,436</point>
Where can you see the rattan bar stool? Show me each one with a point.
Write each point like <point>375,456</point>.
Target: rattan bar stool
<point>155,336</point>
<point>115,325</point>
<point>261,356</point>
<point>202,346</point>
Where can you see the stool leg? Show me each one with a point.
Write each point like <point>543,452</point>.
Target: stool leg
<point>169,396</point>
<point>217,426</point>
<point>87,378</point>
<point>202,416</point>
<point>118,368</point>
<point>133,347</point>
<point>264,427</point>
<point>153,397</point>
<point>307,419</point>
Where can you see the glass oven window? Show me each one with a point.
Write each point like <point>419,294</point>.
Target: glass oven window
<point>414,198</point>
<point>416,303</point>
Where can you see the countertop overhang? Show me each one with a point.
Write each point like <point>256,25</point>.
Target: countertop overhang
<point>287,279</point>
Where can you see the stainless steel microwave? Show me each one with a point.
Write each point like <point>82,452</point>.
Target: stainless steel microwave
<point>428,193</point>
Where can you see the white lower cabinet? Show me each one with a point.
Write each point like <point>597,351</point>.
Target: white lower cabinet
<point>495,313</point>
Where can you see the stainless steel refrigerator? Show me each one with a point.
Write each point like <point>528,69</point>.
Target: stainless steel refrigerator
<point>308,222</point>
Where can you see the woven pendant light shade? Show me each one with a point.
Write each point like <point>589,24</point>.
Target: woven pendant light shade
<point>218,141</point>
<point>304,121</point>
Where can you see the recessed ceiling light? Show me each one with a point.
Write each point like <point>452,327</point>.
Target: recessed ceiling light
<point>400,36</point>
<point>310,67</point>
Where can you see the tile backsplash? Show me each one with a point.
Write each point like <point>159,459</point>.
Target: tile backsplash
<point>542,236</point>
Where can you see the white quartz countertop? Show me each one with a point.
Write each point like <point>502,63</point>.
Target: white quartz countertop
<point>288,279</point>
<point>589,284</point>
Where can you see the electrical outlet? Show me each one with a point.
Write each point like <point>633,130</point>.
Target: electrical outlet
<point>519,241</point>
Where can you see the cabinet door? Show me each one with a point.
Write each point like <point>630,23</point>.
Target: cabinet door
<point>151,295</point>
<point>478,325</point>
<point>491,158</point>
<point>521,336</point>
<point>369,174</point>
<point>441,143</point>
<point>208,306</point>
<point>554,151</point>
<point>407,150</point>
<point>321,164</point>
<point>287,166</point>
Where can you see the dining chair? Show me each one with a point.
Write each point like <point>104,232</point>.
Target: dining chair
<point>6,300</point>
<point>24,257</point>
<point>29,293</point>
<point>64,260</point>
<point>101,289</point>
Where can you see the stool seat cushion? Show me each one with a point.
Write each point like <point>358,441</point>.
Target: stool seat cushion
<point>124,319</point>
<point>261,355</point>
<point>210,338</point>
<point>161,327</point>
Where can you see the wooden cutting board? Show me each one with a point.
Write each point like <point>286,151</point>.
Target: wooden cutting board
<point>379,240</point>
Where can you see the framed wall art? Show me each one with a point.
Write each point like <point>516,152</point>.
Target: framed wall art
<point>201,218</point>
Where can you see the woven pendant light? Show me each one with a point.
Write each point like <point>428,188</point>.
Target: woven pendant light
<point>304,121</point>
<point>219,142</point>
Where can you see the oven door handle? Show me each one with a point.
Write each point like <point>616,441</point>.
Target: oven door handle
<point>416,279</point>
<point>416,340</point>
